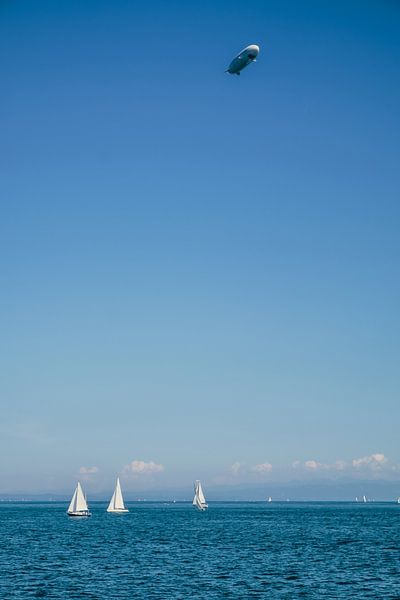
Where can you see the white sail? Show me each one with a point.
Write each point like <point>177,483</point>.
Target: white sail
<point>117,501</point>
<point>195,499</point>
<point>201,494</point>
<point>111,506</point>
<point>364,498</point>
<point>72,504</point>
<point>81,503</point>
<point>78,504</point>
<point>199,499</point>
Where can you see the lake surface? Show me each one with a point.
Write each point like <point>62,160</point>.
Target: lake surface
<point>172,551</point>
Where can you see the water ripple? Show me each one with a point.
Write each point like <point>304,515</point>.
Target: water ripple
<point>172,552</point>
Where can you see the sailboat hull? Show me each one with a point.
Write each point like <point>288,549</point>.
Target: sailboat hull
<point>117,510</point>
<point>201,507</point>
<point>80,513</point>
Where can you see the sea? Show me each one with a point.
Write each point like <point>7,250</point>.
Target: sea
<point>172,551</point>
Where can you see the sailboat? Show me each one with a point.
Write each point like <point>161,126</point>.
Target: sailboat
<point>269,499</point>
<point>199,501</point>
<point>364,498</point>
<point>117,502</point>
<point>78,506</point>
<point>398,500</point>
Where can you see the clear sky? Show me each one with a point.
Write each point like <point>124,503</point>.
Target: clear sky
<point>199,272</point>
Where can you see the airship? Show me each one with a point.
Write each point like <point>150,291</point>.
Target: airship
<point>246,56</point>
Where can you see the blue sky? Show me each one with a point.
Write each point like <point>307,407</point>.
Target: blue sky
<point>198,270</point>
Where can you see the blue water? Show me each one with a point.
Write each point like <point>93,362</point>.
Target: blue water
<point>171,551</point>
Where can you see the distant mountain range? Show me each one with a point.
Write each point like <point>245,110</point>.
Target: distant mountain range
<point>321,490</point>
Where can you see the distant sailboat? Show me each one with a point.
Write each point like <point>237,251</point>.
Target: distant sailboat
<point>117,502</point>
<point>199,500</point>
<point>398,500</point>
<point>269,499</point>
<point>78,506</point>
<point>364,498</point>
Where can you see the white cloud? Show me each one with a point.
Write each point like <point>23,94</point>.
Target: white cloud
<point>262,468</point>
<point>374,462</point>
<point>313,465</point>
<point>140,467</point>
<point>310,465</point>
<point>236,467</point>
<point>88,470</point>
<point>339,465</point>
